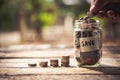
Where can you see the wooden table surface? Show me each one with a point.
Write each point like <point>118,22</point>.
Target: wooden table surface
<point>14,65</point>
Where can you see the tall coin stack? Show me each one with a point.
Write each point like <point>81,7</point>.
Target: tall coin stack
<point>65,61</point>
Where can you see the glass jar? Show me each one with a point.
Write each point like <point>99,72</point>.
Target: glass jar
<point>87,43</point>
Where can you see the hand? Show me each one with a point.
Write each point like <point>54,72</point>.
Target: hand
<point>106,8</point>
<point>98,5</point>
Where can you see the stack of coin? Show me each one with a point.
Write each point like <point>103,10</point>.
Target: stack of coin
<point>43,64</point>
<point>32,64</point>
<point>65,61</point>
<point>54,62</point>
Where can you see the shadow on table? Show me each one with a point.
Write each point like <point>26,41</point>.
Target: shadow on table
<point>112,49</point>
<point>107,70</point>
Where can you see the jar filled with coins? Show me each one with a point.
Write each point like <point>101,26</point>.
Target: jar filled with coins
<point>87,42</point>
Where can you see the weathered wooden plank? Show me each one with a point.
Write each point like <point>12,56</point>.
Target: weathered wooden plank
<point>20,66</point>
<point>60,77</point>
<point>52,53</point>
<point>105,62</point>
<point>14,66</point>
<point>61,70</point>
<point>38,55</point>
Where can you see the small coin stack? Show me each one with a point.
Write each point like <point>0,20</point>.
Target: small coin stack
<point>65,61</point>
<point>43,64</point>
<point>54,62</point>
<point>32,64</point>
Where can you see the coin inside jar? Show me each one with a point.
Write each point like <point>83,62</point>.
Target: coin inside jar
<point>87,41</point>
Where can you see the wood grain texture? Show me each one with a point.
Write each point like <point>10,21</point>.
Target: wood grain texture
<point>14,66</point>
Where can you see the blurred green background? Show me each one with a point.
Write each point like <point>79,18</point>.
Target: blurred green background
<point>45,22</point>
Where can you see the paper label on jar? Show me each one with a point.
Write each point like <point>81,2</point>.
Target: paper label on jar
<point>88,44</point>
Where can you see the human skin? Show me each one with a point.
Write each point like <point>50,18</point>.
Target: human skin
<point>108,9</point>
<point>98,5</point>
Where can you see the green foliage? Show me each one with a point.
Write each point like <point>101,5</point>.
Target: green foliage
<point>40,12</point>
<point>6,13</point>
<point>46,18</point>
<point>101,21</point>
<point>44,12</point>
<point>82,15</point>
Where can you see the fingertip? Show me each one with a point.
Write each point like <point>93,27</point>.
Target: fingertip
<point>101,14</point>
<point>93,10</point>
